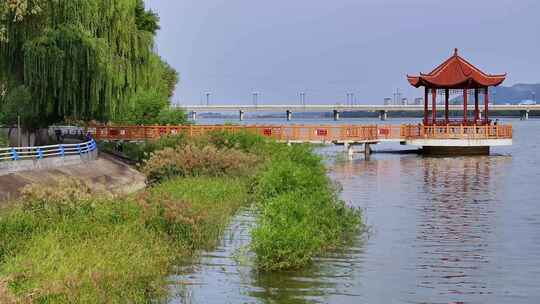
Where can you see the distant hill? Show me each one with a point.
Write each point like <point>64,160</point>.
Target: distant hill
<point>514,94</point>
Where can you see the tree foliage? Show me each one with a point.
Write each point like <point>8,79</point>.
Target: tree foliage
<point>82,59</point>
<point>18,104</point>
<point>3,141</point>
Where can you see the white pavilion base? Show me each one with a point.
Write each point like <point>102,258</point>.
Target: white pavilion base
<point>458,146</point>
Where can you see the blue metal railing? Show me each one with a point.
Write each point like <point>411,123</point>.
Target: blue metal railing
<point>25,153</point>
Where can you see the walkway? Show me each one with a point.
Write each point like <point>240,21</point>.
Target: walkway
<point>311,133</point>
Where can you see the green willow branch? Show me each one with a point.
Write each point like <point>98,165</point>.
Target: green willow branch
<point>82,59</point>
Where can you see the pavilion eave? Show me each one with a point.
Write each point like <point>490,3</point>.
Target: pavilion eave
<point>468,83</point>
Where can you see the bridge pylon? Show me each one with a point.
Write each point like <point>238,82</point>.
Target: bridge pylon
<point>383,115</point>
<point>336,115</point>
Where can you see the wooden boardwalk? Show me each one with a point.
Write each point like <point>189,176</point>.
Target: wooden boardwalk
<point>310,133</point>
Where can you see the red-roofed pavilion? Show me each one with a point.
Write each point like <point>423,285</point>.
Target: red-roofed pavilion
<point>456,76</point>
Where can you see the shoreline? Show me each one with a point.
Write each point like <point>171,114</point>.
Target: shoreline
<point>176,217</point>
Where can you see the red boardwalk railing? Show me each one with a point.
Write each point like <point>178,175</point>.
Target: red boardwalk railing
<point>311,133</point>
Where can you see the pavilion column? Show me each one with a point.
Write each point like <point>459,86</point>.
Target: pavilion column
<point>465,97</point>
<point>426,106</point>
<point>486,104</point>
<point>434,105</point>
<point>476,107</point>
<point>446,102</point>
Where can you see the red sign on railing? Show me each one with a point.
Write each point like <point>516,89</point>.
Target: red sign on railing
<point>267,132</point>
<point>322,132</point>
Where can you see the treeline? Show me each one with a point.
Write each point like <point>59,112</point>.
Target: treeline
<point>82,60</point>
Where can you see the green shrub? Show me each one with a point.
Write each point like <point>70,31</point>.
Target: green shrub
<point>244,141</point>
<point>301,214</point>
<point>140,151</point>
<point>286,176</point>
<point>296,226</point>
<point>172,116</point>
<point>193,160</point>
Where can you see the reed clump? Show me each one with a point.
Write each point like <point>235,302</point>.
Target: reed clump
<point>193,212</point>
<point>194,160</point>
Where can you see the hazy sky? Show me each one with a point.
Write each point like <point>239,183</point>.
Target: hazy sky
<point>327,48</point>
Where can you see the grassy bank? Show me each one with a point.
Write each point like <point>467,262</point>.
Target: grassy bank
<point>64,245</point>
<point>202,208</point>
<point>69,245</point>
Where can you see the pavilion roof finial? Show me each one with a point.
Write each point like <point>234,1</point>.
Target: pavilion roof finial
<point>455,52</point>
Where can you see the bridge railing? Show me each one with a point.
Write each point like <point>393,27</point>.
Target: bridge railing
<point>310,133</point>
<point>284,132</point>
<point>41,152</point>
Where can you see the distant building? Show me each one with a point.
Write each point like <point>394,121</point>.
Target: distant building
<point>404,101</point>
<point>418,101</point>
<point>387,101</point>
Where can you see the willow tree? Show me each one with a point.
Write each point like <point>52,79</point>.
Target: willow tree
<point>83,59</point>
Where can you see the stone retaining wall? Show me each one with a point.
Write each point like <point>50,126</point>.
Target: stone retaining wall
<point>103,174</point>
<point>8,167</point>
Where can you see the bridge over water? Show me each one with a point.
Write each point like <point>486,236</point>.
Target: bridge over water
<point>452,139</point>
<point>337,109</point>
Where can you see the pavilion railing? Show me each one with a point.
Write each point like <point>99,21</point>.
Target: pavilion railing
<point>310,133</point>
<point>457,132</point>
<point>41,152</point>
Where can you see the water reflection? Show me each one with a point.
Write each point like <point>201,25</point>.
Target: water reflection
<point>442,211</point>
<point>455,220</point>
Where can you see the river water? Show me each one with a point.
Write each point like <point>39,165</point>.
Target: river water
<point>442,230</point>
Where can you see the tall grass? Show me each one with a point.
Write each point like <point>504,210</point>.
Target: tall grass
<point>79,249</point>
<point>195,211</point>
<point>69,245</point>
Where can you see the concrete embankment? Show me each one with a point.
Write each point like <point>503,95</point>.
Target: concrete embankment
<point>104,173</point>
